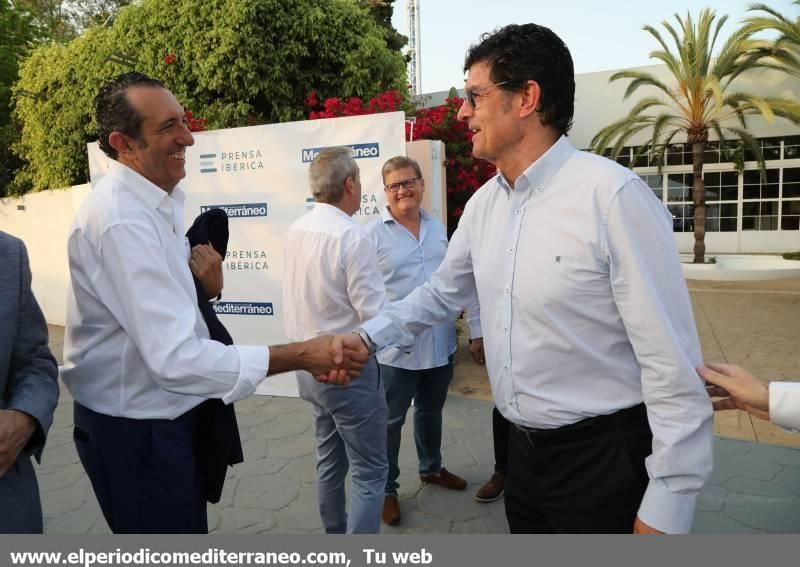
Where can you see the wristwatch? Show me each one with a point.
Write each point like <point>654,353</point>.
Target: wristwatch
<point>371,348</point>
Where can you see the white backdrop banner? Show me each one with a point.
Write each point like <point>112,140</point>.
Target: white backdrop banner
<point>259,176</point>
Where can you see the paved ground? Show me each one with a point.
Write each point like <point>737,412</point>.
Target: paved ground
<point>755,486</point>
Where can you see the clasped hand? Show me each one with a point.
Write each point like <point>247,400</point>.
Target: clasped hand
<point>336,359</point>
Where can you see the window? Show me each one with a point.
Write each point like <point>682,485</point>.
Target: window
<point>656,183</point>
<point>679,201</point>
<point>790,207</point>
<point>791,147</point>
<point>756,186</point>
<point>790,216</point>
<point>762,190</point>
<point>624,157</point>
<point>679,154</point>
<point>721,186</point>
<point>791,183</point>
<point>679,187</point>
<point>770,149</point>
<point>682,217</point>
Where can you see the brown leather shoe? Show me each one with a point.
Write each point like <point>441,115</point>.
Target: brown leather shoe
<point>391,510</point>
<point>445,479</point>
<point>493,489</point>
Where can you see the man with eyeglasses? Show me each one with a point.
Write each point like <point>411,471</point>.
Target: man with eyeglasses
<point>411,244</point>
<point>589,337</point>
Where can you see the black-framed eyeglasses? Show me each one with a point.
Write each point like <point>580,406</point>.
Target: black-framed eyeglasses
<point>471,94</point>
<point>409,183</point>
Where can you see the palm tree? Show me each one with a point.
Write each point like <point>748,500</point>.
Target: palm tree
<point>702,98</point>
<point>786,49</point>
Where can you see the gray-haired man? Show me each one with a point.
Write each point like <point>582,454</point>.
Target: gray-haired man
<point>332,285</point>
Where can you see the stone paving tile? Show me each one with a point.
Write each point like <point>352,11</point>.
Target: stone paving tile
<point>449,504</point>
<point>712,499</point>
<point>292,448</point>
<point>252,520</point>
<point>778,455</point>
<point>715,523</point>
<point>789,478</point>
<point>729,466</point>
<point>767,513</point>
<point>304,469</point>
<point>758,488</point>
<point>416,521</point>
<point>259,467</point>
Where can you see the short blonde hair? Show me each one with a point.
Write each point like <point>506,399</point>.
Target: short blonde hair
<point>399,162</point>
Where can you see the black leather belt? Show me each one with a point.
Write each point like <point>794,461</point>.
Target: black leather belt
<point>585,429</point>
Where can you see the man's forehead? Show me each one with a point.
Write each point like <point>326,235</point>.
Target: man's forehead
<point>401,171</point>
<point>479,72</point>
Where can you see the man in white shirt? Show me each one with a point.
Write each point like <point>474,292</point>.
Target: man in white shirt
<point>735,388</point>
<point>588,330</point>
<point>138,359</point>
<point>331,285</point>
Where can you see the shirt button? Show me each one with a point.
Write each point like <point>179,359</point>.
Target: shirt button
<point>505,329</point>
<point>508,290</point>
<point>539,189</point>
<point>517,211</point>
<point>511,250</point>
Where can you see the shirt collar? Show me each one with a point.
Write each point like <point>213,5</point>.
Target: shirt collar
<point>538,175</point>
<point>150,194</point>
<point>386,215</point>
<point>331,209</point>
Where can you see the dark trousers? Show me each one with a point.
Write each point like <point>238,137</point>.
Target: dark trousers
<point>587,477</point>
<point>500,431</point>
<point>143,471</point>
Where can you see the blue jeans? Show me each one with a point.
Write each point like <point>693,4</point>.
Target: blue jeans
<point>428,389</point>
<point>350,427</point>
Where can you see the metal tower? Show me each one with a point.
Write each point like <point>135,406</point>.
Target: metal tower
<point>414,47</point>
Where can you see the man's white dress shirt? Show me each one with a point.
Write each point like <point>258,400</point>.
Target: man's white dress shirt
<point>136,344</point>
<point>584,312</point>
<point>331,282</point>
<point>784,405</point>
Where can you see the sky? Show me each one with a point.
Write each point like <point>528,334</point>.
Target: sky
<point>601,35</point>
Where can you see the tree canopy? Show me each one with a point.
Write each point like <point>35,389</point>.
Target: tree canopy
<point>234,62</point>
<point>786,48</point>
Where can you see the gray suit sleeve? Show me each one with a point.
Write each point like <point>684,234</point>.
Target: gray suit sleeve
<point>33,377</point>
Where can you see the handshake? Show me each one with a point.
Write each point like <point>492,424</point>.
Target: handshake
<point>335,360</point>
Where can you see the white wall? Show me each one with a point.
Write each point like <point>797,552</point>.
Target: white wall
<point>430,156</point>
<point>42,221</point>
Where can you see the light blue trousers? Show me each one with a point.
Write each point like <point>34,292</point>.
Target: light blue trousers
<point>351,433</point>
